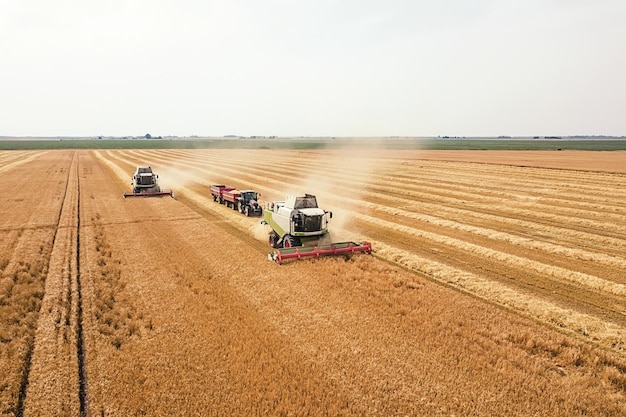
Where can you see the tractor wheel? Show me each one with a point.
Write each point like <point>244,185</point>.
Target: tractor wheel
<point>248,211</point>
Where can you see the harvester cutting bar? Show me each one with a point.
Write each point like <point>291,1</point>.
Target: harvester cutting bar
<point>280,255</point>
<point>150,194</point>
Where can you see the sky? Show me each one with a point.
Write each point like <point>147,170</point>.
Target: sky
<point>312,68</point>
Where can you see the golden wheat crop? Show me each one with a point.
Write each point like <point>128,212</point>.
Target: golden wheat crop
<point>496,287</point>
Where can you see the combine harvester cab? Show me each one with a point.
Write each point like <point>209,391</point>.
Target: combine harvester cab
<point>146,184</point>
<point>300,229</point>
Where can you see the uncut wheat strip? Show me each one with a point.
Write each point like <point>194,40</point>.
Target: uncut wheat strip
<point>9,239</point>
<point>53,379</point>
<point>520,241</point>
<point>590,327</point>
<point>585,280</point>
<point>21,161</point>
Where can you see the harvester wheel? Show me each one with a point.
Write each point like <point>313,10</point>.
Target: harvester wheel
<point>290,241</point>
<point>273,239</point>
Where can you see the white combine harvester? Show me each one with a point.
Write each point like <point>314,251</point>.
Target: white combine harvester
<point>146,184</point>
<point>300,229</point>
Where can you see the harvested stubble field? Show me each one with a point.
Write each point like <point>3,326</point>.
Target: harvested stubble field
<point>496,287</point>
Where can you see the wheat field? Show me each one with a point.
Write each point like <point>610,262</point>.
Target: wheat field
<point>496,286</point>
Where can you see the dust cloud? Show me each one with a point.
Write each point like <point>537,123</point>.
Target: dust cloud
<point>351,164</point>
<point>173,177</point>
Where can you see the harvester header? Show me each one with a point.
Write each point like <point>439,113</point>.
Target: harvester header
<point>146,184</point>
<point>342,248</point>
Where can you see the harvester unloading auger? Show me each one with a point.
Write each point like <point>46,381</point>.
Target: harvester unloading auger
<point>146,184</point>
<point>300,230</point>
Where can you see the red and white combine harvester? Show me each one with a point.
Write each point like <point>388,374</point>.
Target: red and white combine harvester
<point>146,184</point>
<point>299,229</point>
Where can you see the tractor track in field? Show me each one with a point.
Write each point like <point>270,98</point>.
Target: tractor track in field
<point>57,355</point>
<point>19,411</point>
<point>80,338</point>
